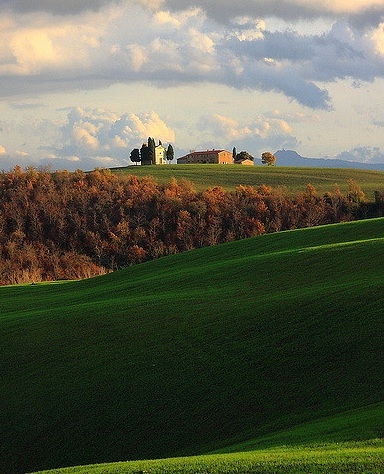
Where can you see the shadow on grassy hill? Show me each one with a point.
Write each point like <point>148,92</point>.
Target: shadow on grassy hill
<point>192,352</point>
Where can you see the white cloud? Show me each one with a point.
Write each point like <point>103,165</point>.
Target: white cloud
<point>32,49</point>
<point>10,159</point>
<point>103,135</point>
<point>284,127</point>
<point>40,45</point>
<point>254,137</point>
<point>377,37</point>
<point>293,117</point>
<point>137,57</point>
<point>363,154</point>
<point>151,125</point>
<point>165,18</point>
<point>21,153</point>
<point>41,52</point>
<point>88,138</point>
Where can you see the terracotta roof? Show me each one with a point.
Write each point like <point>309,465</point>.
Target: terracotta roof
<point>204,152</point>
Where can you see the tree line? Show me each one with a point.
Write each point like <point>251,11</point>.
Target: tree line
<point>267,158</point>
<point>72,225</point>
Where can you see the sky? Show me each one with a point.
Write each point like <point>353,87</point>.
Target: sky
<point>83,83</point>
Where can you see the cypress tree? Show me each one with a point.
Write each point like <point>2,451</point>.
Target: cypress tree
<point>151,151</point>
<point>170,153</point>
<point>144,154</point>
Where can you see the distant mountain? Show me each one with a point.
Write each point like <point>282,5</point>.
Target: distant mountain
<point>292,158</point>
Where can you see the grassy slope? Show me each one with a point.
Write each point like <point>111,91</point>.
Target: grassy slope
<point>351,426</point>
<point>294,179</point>
<point>341,458</point>
<point>193,352</point>
<point>319,446</point>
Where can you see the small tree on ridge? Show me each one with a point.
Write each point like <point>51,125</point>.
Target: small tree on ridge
<point>267,158</point>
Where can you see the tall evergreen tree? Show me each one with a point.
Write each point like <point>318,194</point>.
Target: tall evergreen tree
<point>234,154</point>
<point>170,154</point>
<point>144,154</point>
<point>151,151</point>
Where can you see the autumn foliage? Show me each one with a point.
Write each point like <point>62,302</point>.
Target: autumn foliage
<point>64,225</point>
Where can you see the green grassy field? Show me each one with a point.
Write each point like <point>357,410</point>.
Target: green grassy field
<point>255,344</point>
<point>301,449</point>
<point>345,458</point>
<point>293,179</point>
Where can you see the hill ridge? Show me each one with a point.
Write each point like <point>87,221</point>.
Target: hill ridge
<point>292,158</point>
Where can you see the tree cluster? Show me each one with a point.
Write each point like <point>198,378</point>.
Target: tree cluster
<point>146,154</point>
<point>267,158</point>
<point>64,225</point>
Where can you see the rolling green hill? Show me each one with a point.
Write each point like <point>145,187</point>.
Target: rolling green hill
<point>293,179</point>
<point>252,341</point>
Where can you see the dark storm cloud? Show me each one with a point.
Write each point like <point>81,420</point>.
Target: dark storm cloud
<point>56,7</point>
<point>362,13</point>
<point>368,19</point>
<point>225,10</point>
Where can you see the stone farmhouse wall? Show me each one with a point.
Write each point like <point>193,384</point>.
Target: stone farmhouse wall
<point>222,157</point>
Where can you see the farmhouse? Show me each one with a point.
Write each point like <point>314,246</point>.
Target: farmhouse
<point>222,157</point>
<point>245,162</point>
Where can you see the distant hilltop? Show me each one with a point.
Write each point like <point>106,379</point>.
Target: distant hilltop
<point>292,158</point>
